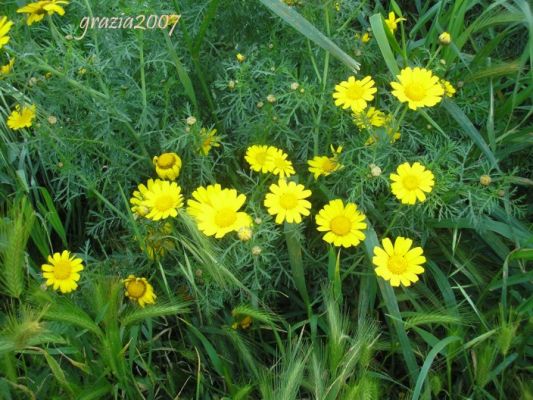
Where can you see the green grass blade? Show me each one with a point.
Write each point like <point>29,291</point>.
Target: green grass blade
<point>291,17</point>
<point>376,21</point>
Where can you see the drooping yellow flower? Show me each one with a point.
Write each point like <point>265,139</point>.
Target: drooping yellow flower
<point>139,290</point>
<point>398,263</point>
<point>410,183</point>
<point>257,156</point>
<point>354,93</point>
<point>417,87</point>
<point>366,37</point>
<point>37,10</point>
<point>392,21</point>
<point>62,272</point>
<point>136,201</point>
<point>216,210</point>
<point>371,117</point>
<point>167,165</point>
<point>324,165</point>
<point>278,164</point>
<point>287,201</point>
<point>343,225</point>
<point>449,90</point>
<point>6,69</point>
<point>5,26</point>
<point>163,200</point>
<point>445,38</point>
<point>240,321</point>
<point>21,117</point>
<point>209,139</point>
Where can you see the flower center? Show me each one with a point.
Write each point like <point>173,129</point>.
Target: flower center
<point>410,182</point>
<point>397,264</point>
<point>136,288</point>
<point>164,202</point>
<point>340,225</point>
<point>415,91</point>
<point>288,201</point>
<point>165,160</point>
<point>329,165</point>
<point>62,269</point>
<point>355,92</point>
<point>225,217</point>
<point>260,158</point>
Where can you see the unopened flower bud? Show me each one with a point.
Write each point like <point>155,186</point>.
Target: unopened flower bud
<point>295,85</point>
<point>445,38</point>
<point>485,180</point>
<point>256,250</point>
<point>271,98</point>
<point>244,234</point>
<point>375,170</point>
<point>52,120</point>
<point>260,104</point>
<point>191,120</point>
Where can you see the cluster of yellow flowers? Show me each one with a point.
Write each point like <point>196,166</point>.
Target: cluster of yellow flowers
<point>62,272</point>
<point>23,115</point>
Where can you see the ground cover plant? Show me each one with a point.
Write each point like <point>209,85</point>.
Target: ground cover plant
<point>265,199</point>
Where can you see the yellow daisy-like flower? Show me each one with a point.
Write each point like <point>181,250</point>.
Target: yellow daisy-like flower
<point>137,207</point>
<point>163,200</point>
<point>62,272</point>
<point>410,183</point>
<point>287,202</point>
<point>209,140</point>
<point>278,164</point>
<point>167,165</point>
<point>216,210</point>
<point>257,156</point>
<point>6,69</point>
<point>324,165</point>
<point>5,26</point>
<point>139,290</point>
<point>21,117</point>
<point>392,21</point>
<point>371,117</point>
<point>449,90</point>
<point>343,225</point>
<point>354,94</point>
<point>398,263</point>
<point>37,10</point>
<point>418,87</point>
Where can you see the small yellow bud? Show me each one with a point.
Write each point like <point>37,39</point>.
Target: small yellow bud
<point>485,180</point>
<point>445,38</point>
<point>375,170</point>
<point>260,104</point>
<point>295,85</point>
<point>191,120</point>
<point>271,98</point>
<point>256,250</point>
<point>240,57</point>
<point>258,220</point>
<point>244,234</point>
<point>231,84</point>
<point>52,120</point>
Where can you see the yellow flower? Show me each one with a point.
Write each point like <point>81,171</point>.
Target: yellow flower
<point>287,202</point>
<point>418,87</point>
<point>366,37</point>
<point>449,90</point>
<point>278,164</point>
<point>216,210</point>
<point>62,271</point>
<point>163,200</point>
<point>5,26</point>
<point>257,156</point>
<point>36,11</point>
<point>411,183</point>
<point>139,290</point>
<point>445,38</point>
<point>240,57</point>
<point>354,94</point>
<point>371,117</point>
<point>324,165</point>
<point>241,321</point>
<point>392,21</point>
<point>21,117</point>
<point>138,209</point>
<point>209,140</point>
<point>6,69</point>
<point>398,263</point>
<point>167,165</point>
<point>343,225</point>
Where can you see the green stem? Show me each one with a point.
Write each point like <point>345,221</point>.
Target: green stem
<point>294,247</point>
